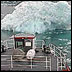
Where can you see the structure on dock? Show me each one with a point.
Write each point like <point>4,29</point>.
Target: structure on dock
<point>24,41</point>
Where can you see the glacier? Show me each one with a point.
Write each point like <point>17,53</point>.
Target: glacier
<point>38,16</point>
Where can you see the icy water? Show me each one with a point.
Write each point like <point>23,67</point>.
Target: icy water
<point>58,37</point>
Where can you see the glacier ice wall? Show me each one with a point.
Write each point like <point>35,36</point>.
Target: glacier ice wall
<point>38,16</point>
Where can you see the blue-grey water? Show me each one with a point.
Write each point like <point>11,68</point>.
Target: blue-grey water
<point>58,37</point>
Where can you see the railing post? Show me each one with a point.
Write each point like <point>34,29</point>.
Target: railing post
<point>65,60</point>
<point>61,63</point>
<point>54,50</point>
<point>51,45</point>
<point>57,63</point>
<point>6,44</point>
<point>60,53</point>
<point>46,62</point>
<point>50,63</point>
<point>61,59</point>
<point>11,62</point>
<point>42,44</point>
<point>31,63</point>
<point>14,43</point>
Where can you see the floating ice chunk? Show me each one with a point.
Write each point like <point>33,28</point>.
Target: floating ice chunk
<point>68,60</point>
<point>65,39</point>
<point>61,32</point>
<point>69,43</point>
<point>66,51</point>
<point>60,39</point>
<point>50,32</point>
<point>48,38</point>
<point>60,44</point>
<point>60,47</point>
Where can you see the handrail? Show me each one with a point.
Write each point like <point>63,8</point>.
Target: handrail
<point>6,42</point>
<point>57,53</point>
<point>31,65</point>
<point>61,55</point>
<point>61,62</point>
<point>41,44</point>
<point>54,46</point>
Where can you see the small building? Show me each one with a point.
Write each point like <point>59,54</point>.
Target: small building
<point>24,41</point>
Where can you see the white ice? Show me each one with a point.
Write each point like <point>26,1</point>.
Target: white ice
<point>38,16</point>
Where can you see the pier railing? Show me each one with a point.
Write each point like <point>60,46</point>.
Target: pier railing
<point>57,52</point>
<point>61,57</point>
<point>9,43</point>
<point>36,60</point>
<point>39,43</point>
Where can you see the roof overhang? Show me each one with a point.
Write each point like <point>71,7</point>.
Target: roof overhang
<point>22,36</point>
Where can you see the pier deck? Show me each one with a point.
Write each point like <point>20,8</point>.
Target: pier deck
<point>38,63</point>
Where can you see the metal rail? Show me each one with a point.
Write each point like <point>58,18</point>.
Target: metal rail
<point>60,56</point>
<point>7,43</point>
<point>31,61</point>
<point>39,41</point>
